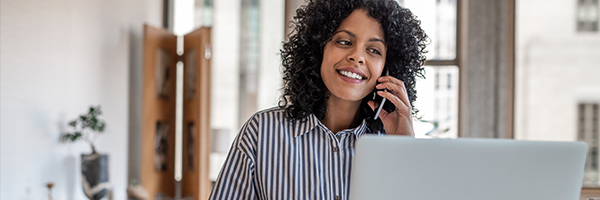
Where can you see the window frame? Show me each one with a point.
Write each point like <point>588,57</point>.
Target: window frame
<point>458,60</point>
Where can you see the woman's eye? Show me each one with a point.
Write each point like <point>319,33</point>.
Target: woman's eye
<point>375,51</point>
<point>344,42</point>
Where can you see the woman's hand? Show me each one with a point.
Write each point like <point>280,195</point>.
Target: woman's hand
<point>398,122</point>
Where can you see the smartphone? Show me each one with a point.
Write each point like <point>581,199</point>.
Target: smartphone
<point>385,73</point>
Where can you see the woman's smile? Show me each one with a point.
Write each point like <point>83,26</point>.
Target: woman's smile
<point>351,75</point>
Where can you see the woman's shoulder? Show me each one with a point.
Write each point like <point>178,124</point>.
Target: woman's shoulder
<point>267,122</point>
<point>275,119</point>
<point>272,114</point>
<point>271,110</point>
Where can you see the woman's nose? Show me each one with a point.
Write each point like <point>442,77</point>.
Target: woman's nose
<point>361,61</point>
<point>356,56</point>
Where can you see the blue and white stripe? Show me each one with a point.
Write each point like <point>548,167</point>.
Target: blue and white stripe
<point>276,158</point>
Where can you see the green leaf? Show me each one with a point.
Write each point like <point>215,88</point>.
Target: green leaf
<point>67,137</point>
<point>101,127</point>
<point>86,122</point>
<point>72,137</point>
<point>76,136</point>
<point>73,123</point>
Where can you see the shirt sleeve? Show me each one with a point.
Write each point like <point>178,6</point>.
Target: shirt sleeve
<point>236,179</point>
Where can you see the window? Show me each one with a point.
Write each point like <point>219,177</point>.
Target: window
<point>587,128</point>
<point>439,25</point>
<point>437,81</point>
<point>587,15</point>
<point>556,99</point>
<point>437,99</point>
<point>249,59</point>
<point>449,81</point>
<point>437,103</point>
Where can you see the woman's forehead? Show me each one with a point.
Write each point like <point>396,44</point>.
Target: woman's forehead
<point>359,23</point>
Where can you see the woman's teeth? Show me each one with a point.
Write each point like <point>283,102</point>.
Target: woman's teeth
<point>351,75</point>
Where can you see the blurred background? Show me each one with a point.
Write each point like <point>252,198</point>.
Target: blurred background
<point>520,69</point>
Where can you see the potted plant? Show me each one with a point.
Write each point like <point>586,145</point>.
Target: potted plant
<point>94,166</point>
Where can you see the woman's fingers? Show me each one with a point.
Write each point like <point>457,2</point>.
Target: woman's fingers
<point>394,99</point>
<point>396,88</point>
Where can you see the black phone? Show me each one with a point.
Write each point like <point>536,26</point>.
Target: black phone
<point>382,105</point>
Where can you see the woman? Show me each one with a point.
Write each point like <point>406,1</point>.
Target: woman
<point>333,63</point>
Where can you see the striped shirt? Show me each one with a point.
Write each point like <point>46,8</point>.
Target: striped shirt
<point>276,158</point>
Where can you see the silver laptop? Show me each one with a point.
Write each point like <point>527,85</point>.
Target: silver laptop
<point>395,167</point>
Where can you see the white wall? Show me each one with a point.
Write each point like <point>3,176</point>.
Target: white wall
<point>57,58</point>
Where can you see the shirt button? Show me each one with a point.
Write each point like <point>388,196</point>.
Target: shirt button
<point>338,136</point>
<point>335,149</point>
<point>337,198</point>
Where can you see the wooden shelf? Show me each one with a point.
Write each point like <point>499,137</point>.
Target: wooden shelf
<point>158,110</point>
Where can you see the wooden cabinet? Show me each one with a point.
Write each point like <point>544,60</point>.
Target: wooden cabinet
<point>196,114</point>
<point>158,114</point>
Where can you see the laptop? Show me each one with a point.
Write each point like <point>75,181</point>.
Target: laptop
<point>396,167</point>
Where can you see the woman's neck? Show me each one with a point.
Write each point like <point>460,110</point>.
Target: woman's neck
<point>340,114</point>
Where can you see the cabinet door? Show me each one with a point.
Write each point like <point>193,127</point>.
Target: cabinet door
<point>196,114</point>
<point>158,112</point>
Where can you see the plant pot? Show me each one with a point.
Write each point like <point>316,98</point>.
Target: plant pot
<point>94,171</point>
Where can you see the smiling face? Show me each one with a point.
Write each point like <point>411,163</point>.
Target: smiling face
<point>354,58</point>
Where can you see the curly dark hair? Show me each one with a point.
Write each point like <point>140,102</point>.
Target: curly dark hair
<point>304,92</point>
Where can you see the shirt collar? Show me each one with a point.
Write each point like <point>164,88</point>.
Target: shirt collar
<point>301,128</point>
<point>361,130</point>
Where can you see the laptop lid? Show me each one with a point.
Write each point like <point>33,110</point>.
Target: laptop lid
<point>396,167</point>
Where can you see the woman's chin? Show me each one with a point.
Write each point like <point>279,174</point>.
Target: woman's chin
<point>348,96</point>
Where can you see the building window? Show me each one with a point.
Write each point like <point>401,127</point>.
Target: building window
<point>449,80</point>
<point>587,16</point>
<point>587,129</point>
<point>437,101</point>
<point>437,80</point>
